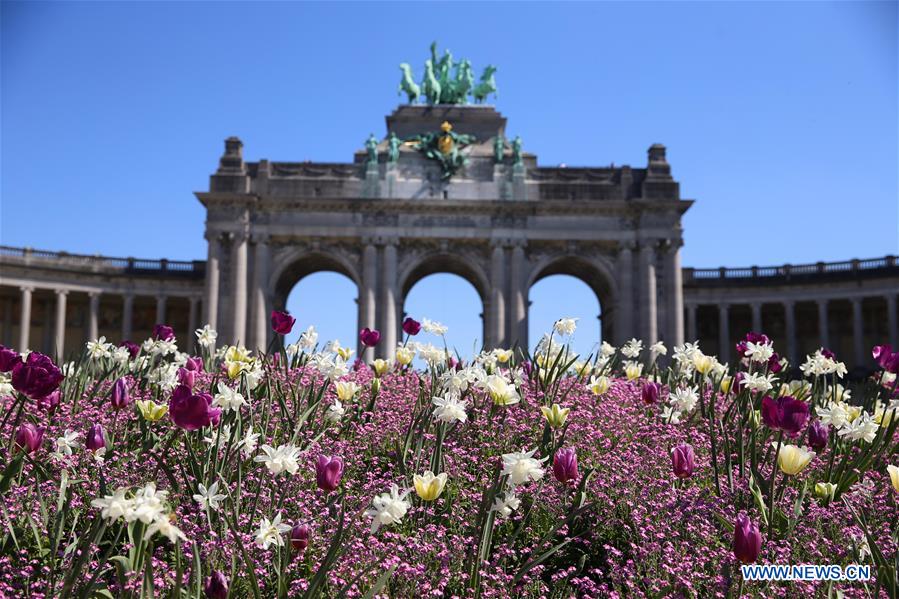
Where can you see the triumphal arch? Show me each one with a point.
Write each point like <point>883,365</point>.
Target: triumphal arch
<point>444,190</point>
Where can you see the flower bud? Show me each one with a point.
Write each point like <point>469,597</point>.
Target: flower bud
<point>818,435</point>
<point>120,397</point>
<point>216,586</point>
<point>94,439</point>
<point>428,486</point>
<point>683,462</point>
<point>29,437</point>
<point>328,471</point>
<point>411,326</point>
<point>650,393</point>
<point>163,332</point>
<point>282,322</point>
<point>369,337</point>
<point>556,415</point>
<point>825,490</point>
<point>747,540</point>
<point>299,536</point>
<point>565,465</point>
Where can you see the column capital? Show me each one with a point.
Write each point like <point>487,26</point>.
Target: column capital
<point>822,301</point>
<point>260,238</point>
<point>95,293</point>
<point>672,245</point>
<point>788,302</point>
<point>387,241</point>
<point>26,289</point>
<point>62,292</point>
<point>499,243</point>
<point>213,235</point>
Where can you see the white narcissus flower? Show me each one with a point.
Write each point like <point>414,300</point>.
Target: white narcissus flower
<point>335,412</point>
<point>209,497</point>
<point>606,350</point>
<point>148,504</point>
<point>99,348</point>
<point>388,508</point>
<point>114,506</point>
<point>282,459</point>
<point>227,398</point>
<point>433,327</point>
<point>835,414</point>
<point>758,352</point>
<point>450,409</point>
<point>206,336</point>
<point>248,443</point>
<point>308,339</point>
<point>757,382</point>
<point>632,348</point>
<point>658,349</point>
<point>565,326</point>
<point>66,443</point>
<point>164,526</point>
<point>863,428</point>
<point>522,467</point>
<point>505,505</point>
<point>270,533</point>
<point>684,399</point>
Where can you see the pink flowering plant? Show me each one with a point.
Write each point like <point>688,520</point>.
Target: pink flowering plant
<point>143,471</point>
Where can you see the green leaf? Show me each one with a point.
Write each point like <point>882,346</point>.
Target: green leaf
<point>379,584</point>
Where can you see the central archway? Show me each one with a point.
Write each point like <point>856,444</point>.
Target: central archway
<point>596,273</point>
<point>447,299</point>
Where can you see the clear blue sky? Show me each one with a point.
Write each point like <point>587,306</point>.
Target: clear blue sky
<point>780,118</point>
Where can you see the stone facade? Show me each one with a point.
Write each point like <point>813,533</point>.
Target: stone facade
<point>500,224</point>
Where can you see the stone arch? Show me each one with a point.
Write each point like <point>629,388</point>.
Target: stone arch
<point>597,273</point>
<point>293,265</point>
<point>461,264</point>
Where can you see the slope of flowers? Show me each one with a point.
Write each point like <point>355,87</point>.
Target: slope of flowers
<point>143,471</point>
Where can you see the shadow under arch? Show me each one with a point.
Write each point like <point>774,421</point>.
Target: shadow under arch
<point>598,276</point>
<point>294,266</point>
<point>438,263</point>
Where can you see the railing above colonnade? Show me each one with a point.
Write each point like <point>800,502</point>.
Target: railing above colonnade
<point>792,273</point>
<point>189,269</point>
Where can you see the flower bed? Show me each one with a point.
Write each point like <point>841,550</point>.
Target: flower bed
<point>143,471</point>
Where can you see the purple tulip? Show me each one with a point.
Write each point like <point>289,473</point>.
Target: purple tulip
<point>94,439</point>
<point>565,465</point>
<point>192,411</point>
<point>120,396</point>
<point>328,471</point>
<point>683,462</point>
<point>737,384</point>
<point>886,358</point>
<point>187,377</point>
<point>818,435</point>
<point>133,348</point>
<point>163,332</point>
<point>747,540</point>
<point>29,437</point>
<point>785,413</point>
<point>774,365</point>
<point>411,326</point>
<point>828,354</point>
<point>650,393</point>
<point>36,377</point>
<point>299,536</point>
<point>8,358</point>
<point>369,337</point>
<point>282,322</point>
<point>194,364</point>
<point>216,586</point>
<point>50,402</point>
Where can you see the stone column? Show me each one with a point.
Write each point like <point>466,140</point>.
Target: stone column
<point>192,324</point>
<point>127,316</point>
<point>674,291</point>
<point>259,310</point>
<point>790,319</point>
<point>624,323</point>
<point>823,331</point>
<point>7,322</point>
<point>756,308</point>
<point>691,322</point>
<point>59,344</point>
<point>723,332</point>
<point>858,332</point>
<point>893,334</point>
<point>239,286</point>
<point>25,320</point>
<point>648,297</point>
<point>518,313</point>
<point>160,308</point>
<point>497,295</point>
<point>211,295</point>
<point>93,315</point>
<point>367,292</point>
<point>388,305</point>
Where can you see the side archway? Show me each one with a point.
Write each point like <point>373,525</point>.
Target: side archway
<point>596,274</point>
